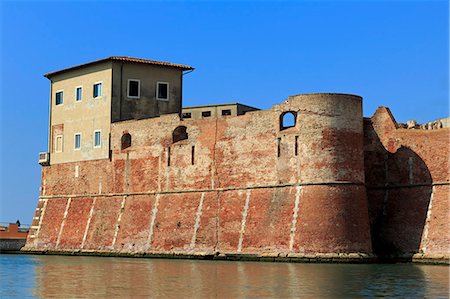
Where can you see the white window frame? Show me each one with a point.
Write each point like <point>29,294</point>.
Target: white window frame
<point>76,88</point>
<point>75,143</point>
<point>157,91</point>
<point>139,89</point>
<point>58,91</point>
<point>93,88</point>
<point>56,143</point>
<point>100,145</point>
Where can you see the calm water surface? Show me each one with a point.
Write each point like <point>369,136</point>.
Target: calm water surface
<point>28,276</point>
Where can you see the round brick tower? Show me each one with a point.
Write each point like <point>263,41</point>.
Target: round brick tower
<point>332,203</point>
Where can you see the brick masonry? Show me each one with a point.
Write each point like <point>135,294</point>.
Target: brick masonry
<point>407,180</point>
<point>334,185</point>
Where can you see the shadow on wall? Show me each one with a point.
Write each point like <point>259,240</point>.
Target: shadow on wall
<point>399,191</point>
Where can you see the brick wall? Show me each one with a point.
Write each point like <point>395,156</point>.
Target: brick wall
<point>407,178</point>
<point>242,185</point>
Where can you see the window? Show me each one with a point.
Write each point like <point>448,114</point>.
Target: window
<point>58,144</point>
<point>77,141</point>
<point>97,90</point>
<point>134,88</point>
<point>226,112</point>
<point>278,147</point>
<point>78,93</point>
<point>59,97</point>
<point>179,134</point>
<point>168,156</point>
<point>97,138</point>
<point>186,115</point>
<point>162,91</point>
<point>206,113</point>
<point>287,120</point>
<point>125,141</point>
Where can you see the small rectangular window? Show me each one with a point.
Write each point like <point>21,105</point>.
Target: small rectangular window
<point>59,98</point>
<point>162,91</point>
<point>59,144</point>
<point>97,90</point>
<point>97,138</point>
<point>78,94</point>
<point>206,113</point>
<point>77,141</point>
<point>134,88</point>
<point>186,115</point>
<point>226,112</point>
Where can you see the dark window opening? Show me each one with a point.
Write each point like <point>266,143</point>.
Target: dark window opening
<point>125,141</point>
<point>78,94</point>
<point>296,146</point>
<point>180,133</point>
<point>192,155</point>
<point>206,113</point>
<point>287,120</point>
<point>97,91</point>
<point>279,147</point>
<point>186,115</point>
<point>110,148</point>
<point>226,112</point>
<point>168,156</point>
<point>133,88</point>
<point>59,98</point>
<point>162,91</point>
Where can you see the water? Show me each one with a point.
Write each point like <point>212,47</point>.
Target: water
<point>28,276</point>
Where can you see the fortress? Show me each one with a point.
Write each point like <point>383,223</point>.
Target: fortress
<point>129,171</point>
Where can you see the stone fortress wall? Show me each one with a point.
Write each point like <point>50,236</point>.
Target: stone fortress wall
<point>335,186</point>
<point>407,181</point>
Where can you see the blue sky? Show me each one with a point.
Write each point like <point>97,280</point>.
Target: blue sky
<point>393,53</point>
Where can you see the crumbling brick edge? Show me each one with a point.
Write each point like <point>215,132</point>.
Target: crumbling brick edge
<point>352,258</point>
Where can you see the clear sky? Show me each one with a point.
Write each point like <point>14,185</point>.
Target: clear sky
<point>393,53</point>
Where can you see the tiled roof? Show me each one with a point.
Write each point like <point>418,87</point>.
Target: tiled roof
<point>126,59</point>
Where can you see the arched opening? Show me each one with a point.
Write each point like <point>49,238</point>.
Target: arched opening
<point>179,134</point>
<point>125,141</point>
<point>288,120</point>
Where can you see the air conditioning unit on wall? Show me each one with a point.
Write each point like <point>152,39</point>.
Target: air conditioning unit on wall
<point>44,158</point>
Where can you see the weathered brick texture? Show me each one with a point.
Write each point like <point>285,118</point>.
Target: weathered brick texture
<point>407,178</point>
<point>333,183</point>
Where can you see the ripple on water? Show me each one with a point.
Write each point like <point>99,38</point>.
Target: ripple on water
<point>27,276</point>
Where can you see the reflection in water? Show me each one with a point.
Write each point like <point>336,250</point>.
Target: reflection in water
<point>89,277</point>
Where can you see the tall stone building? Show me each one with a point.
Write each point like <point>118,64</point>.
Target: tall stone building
<point>132,172</point>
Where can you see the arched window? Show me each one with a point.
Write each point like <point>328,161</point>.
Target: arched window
<point>287,119</point>
<point>179,134</point>
<point>125,141</point>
